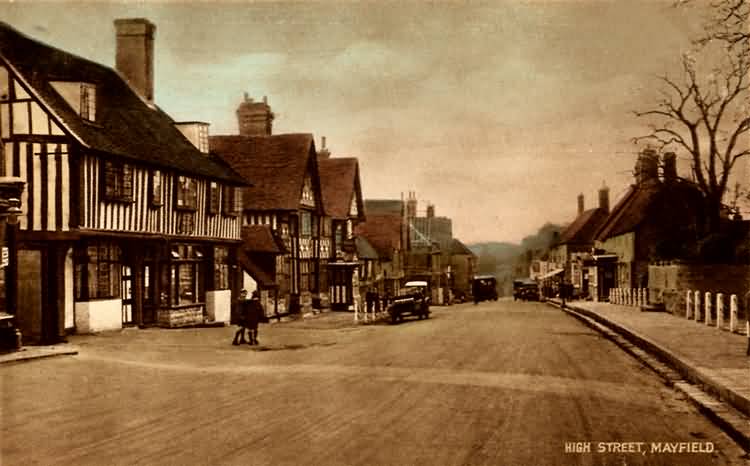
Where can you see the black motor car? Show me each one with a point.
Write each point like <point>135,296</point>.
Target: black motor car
<point>525,289</point>
<point>484,288</point>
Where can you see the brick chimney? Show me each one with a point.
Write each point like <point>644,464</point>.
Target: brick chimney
<point>580,204</point>
<point>255,118</point>
<point>411,205</point>
<point>135,54</point>
<point>669,167</point>
<point>647,166</point>
<point>323,153</point>
<point>431,211</point>
<point>604,198</point>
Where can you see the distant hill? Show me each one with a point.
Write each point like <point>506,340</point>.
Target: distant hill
<point>509,260</point>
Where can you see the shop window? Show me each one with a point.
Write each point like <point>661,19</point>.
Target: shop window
<point>221,268</point>
<point>117,181</point>
<point>98,270</point>
<point>304,275</point>
<point>185,275</point>
<point>187,193</point>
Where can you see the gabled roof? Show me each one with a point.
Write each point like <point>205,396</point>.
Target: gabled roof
<point>126,126</point>
<point>277,166</point>
<point>383,232</point>
<point>459,249</point>
<point>260,238</point>
<point>647,202</point>
<point>365,249</point>
<point>339,182</point>
<point>259,274</point>
<point>584,227</point>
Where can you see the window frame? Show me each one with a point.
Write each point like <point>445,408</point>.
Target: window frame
<point>214,203</point>
<point>186,193</point>
<point>156,193</point>
<point>117,179</point>
<point>231,202</point>
<point>89,270</point>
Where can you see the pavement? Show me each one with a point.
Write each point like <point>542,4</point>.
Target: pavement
<point>28,353</point>
<point>713,359</point>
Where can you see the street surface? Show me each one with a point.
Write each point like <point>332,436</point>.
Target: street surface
<point>501,383</point>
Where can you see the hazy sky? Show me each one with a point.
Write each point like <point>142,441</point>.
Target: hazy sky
<point>499,113</point>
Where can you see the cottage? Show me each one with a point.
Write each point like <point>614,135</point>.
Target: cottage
<point>126,221</point>
<point>653,220</point>
<point>343,204</point>
<point>286,197</point>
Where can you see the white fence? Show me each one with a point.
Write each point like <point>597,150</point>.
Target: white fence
<point>705,308</point>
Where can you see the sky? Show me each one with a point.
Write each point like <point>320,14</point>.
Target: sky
<point>498,113</point>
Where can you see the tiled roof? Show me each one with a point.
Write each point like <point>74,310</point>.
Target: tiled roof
<point>365,249</point>
<point>459,248</point>
<point>383,206</point>
<point>383,232</point>
<point>262,276</point>
<point>276,165</point>
<point>126,126</point>
<point>260,238</point>
<point>649,201</point>
<point>584,227</point>
<point>339,181</point>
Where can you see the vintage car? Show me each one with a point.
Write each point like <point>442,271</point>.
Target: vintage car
<point>525,289</point>
<point>484,288</point>
<point>414,300</point>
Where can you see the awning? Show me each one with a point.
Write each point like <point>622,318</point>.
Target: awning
<point>552,274</point>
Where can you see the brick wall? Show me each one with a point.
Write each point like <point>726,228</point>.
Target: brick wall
<point>668,283</point>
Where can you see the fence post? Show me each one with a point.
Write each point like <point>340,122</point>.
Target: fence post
<point>719,310</point>
<point>688,304</point>
<point>629,299</point>
<point>644,296</point>
<point>733,313</point>
<point>708,308</point>
<point>697,302</point>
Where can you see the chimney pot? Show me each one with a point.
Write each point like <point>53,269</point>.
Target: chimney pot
<point>134,57</point>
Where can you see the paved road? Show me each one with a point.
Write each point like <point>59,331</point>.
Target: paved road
<point>499,383</point>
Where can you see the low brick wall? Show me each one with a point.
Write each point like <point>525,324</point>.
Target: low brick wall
<point>668,283</point>
<point>181,317</point>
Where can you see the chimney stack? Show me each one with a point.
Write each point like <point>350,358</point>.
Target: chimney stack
<point>255,118</point>
<point>135,54</point>
<point>411,205</point>
<point>431,211</point>
<point>580,204</point>
<point>323,152</point>
<point>647,166</point>
<point>669,161</point>
<point>604,198</point>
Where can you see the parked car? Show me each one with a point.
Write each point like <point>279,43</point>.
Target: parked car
<point>414,300</point>
<point>484,288</point>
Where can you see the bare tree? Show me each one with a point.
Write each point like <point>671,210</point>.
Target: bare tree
<point>704,114</point>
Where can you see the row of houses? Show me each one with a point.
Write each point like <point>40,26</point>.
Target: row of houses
<point>114,214</point>
<point>603,248</point>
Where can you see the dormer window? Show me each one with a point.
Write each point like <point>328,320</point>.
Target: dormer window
<point>88,102</point>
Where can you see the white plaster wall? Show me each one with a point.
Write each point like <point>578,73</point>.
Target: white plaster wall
<point>95,316</point>
<point>69,306</point>
<point>219,305</point>
<point>249,284</point>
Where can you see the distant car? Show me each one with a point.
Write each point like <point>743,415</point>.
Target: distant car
<point>526,290</point>
<point>484,288</point>
<point>414,300</point>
